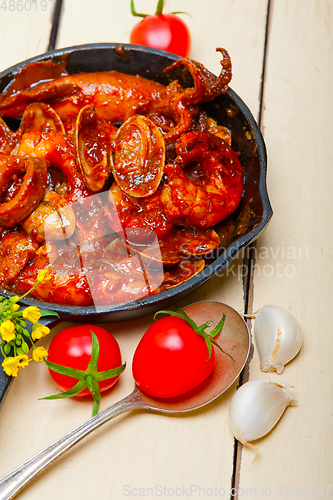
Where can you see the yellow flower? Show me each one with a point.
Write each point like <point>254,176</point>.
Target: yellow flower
<point>12,365</point>
<point>39,353</point>
<point>22,360</point>
<point>43,275</point>
<point>39,331</point>
<point>15,307</point>
<point>7,330</point>
<point>32,314</point>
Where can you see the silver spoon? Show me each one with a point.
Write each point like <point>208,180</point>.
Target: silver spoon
<point>234,339</point>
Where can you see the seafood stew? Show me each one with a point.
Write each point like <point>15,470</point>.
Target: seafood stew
<point>152,234</point>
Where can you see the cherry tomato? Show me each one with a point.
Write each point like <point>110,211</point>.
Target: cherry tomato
<point>163,31</point>
<point>171,359</point>
<point>72,347</point>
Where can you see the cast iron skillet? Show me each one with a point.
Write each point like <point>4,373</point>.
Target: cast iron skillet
<point>238,231</point>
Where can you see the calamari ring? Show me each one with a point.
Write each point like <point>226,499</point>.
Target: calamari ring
<point>30,192</point>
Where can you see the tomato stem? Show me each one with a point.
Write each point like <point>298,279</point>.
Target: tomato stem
<point>86,378</point>
<point>136,14</point>
<point>95,392</point>
<point>159,8</point>
<point>201,330</point>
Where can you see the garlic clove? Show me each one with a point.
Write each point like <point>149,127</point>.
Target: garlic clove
<point>255,409</point>
<point>278,338</point>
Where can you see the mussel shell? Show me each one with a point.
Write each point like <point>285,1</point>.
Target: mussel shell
<point>139,156</point>
<point>92,149</point>
<point>40,116</point>
<point>183,271</point>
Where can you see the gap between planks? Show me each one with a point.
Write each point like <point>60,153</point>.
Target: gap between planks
<point>55,25</point>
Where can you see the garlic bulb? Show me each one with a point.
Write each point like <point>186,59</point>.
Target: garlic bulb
<point>255,409</point>
<point>278,338</point>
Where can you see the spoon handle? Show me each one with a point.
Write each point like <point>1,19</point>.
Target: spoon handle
<point>12,482</point>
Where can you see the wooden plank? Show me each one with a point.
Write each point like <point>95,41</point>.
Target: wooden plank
<point>294,265</point>
<point>141,450</point>
<point>25,26</point>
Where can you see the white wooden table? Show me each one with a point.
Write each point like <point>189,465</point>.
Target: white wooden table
<point>282,54</point>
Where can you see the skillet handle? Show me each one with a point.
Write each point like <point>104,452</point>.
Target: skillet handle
<point>5,380</point>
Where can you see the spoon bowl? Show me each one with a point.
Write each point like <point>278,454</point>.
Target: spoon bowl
<point>234,339</point>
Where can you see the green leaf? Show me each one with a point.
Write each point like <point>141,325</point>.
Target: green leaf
<point>99,376</point>
<point>209,346</point>
<point>92,366</point>
<point>46,312</point>
<point>95,392</point>
<point>218,327</point>
<point>66,370</point>
<point>71,392</point>
<point>218,345</point>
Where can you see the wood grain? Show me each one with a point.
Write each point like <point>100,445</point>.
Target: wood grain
<point>294,265</point>
<point>25,27</point>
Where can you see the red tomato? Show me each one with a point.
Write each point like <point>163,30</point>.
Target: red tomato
<point>72,347</point>
<point>163,31</point>
<point>171,359</point>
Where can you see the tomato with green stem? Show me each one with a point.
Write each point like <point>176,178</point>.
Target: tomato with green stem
<point>175,355</point>
<point>82,360</point>
<point>161,31</point>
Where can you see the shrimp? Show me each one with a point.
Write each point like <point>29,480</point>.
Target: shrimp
<point>68,285</point>
<point>59,152</point>
<point>16,250</point>
<point>214,188</point>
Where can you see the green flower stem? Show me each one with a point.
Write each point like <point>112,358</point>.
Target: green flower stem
<point>29,291</point>
<point>88,378</point>
<point>201,330</point>
<point>8,303</point>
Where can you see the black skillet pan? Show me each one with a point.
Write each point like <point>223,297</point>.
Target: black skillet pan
<point>238,231</point>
